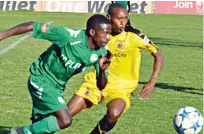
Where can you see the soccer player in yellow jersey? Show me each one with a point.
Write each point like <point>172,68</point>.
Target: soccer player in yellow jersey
<point>125,44</point>
<point>125,4</point>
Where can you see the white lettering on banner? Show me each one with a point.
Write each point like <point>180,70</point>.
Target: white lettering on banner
<point>65,6</point>
<point>56,4</point>
<point>183,4</point>
<point>79,7</point>
<point>200,7</point>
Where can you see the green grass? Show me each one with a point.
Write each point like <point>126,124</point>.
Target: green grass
<point>180,83</point>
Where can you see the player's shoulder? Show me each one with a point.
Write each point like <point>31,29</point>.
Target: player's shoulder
<point>76,35</point>
<point>138,33</point>
<point>133,30</point>
<point>74,32</point>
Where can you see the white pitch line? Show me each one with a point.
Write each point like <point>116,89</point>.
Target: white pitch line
<point>5,50</point>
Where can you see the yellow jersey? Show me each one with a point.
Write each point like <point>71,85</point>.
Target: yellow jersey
<point>123,72</point>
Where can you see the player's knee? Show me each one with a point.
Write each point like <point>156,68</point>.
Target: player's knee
<point>65,122</point>
<point>113,115</point>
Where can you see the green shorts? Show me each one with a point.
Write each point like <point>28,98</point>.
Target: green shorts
<point>46,97</point>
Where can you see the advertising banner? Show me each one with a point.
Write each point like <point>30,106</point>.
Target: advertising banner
<point>179,7</point>
<point>140,7</point>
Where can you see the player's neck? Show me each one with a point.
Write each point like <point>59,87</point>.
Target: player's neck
<point>91,43</point>
<point>114,33</point>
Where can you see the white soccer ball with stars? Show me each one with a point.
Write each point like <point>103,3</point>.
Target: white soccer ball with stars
<point>188,120</point>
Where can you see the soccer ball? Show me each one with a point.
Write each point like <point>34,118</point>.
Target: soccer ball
<point>188,120</point>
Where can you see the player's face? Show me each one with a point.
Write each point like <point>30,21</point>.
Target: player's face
<point>119,20</point>
<point>102,35</point>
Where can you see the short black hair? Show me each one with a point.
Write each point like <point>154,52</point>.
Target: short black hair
<point>113,6</point>
<point>96,20</point>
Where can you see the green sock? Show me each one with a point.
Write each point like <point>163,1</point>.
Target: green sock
<point>46,125</point>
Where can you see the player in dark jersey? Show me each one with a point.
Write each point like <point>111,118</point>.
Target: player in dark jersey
<point>71,52</point>
<point>126,45</point>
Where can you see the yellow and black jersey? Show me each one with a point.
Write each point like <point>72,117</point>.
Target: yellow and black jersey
<point>123,72</point>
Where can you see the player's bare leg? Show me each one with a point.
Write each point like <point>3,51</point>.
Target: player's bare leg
<point>64,118</point>
<point>114,110</point>
<point>77,104</point>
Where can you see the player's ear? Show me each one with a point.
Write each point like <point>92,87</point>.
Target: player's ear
<point>92,32</point>
<point>108,17</point>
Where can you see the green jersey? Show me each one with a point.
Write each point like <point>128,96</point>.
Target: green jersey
<point>68,55</point>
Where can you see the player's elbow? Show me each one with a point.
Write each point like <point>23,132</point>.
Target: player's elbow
<point>159,56</point>
<point>30,25</point>
<point>31,22</point>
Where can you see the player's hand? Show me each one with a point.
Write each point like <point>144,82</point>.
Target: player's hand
<point>104,61</point>
<point>109,54</point>
<point>146,91</point>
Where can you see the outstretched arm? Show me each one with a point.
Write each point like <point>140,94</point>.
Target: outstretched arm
<point>19,29</point>
<point>147,89</point>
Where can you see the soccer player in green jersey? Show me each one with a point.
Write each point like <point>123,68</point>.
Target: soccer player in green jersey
<point>71,52</point>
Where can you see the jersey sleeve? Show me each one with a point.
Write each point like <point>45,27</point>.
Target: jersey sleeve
<point>147,44</point>
<point>54,34</point>
<point>141,40</point>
